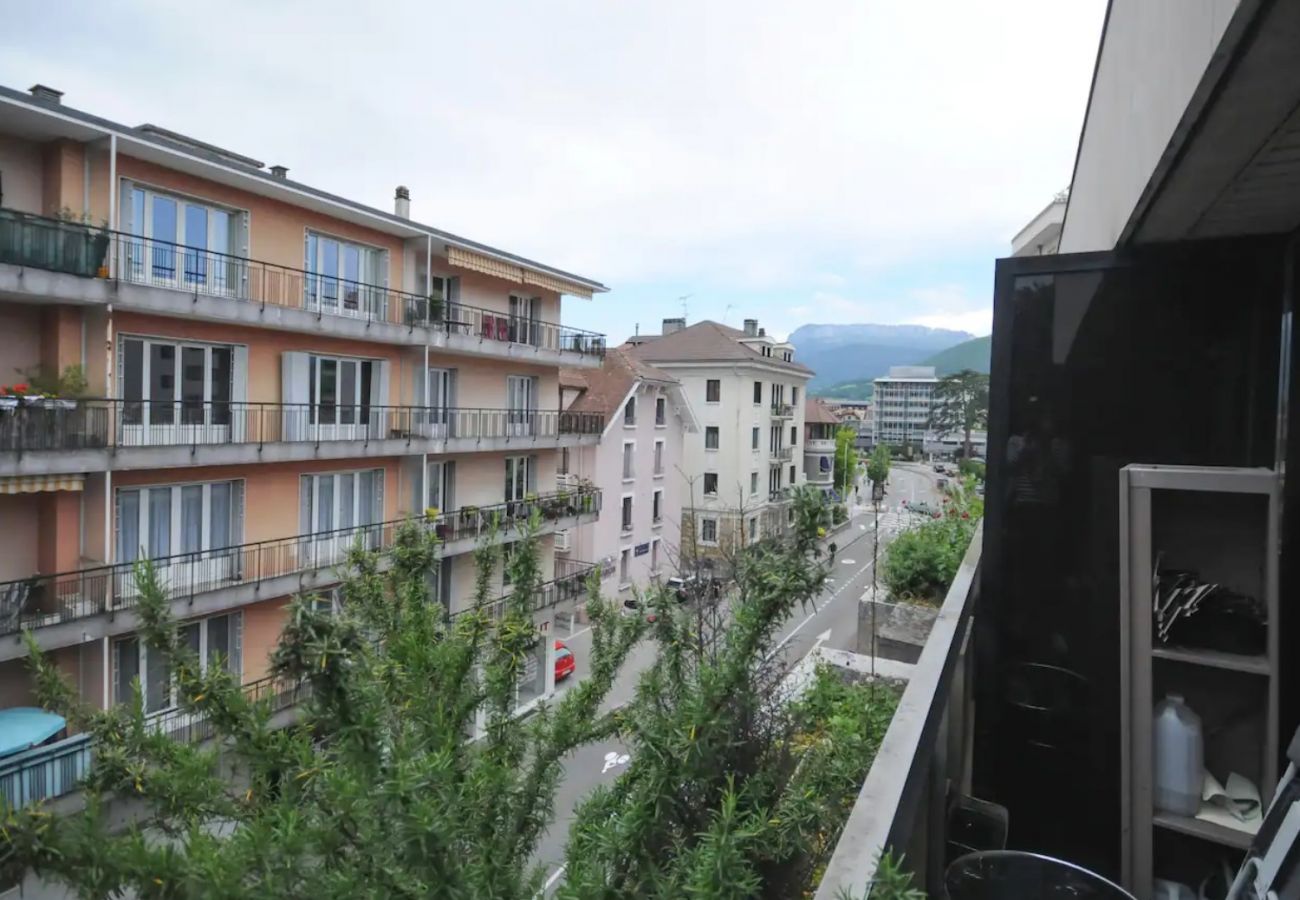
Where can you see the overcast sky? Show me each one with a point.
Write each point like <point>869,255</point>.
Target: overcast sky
<point>791,161</point>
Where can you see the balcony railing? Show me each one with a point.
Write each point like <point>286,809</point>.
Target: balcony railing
<point>782,411</point>
<point>53,770</point>
<point>45,600</point>
<point>43,425</point>
<point>42,243</point>
<point>904,801</point>
<point>782,454</point>
<point>568,584</point>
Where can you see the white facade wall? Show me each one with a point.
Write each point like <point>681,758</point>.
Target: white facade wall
<point>901,409</point>
<point>735,415</point>
<point>604,542</point>
<point>1152,57</point>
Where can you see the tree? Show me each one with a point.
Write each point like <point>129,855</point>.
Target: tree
<point>878,465</point>
<point>374,792</point>
<point>961,404</point>
<point>846,459</point>
<point>730,792</point>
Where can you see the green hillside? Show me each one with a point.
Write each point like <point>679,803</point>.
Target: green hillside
<point>972,354</point>
<point>848,390</point>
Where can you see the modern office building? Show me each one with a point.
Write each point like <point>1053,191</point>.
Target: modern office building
<point>637,467</point>
<point>241,377</point>
<point>747,392</point>
<point>900,405</point>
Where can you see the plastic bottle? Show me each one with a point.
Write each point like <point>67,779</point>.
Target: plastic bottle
<point>1179,756</point>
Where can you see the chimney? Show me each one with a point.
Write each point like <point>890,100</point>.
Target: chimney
<point>751,327</point>
<point>402,201</point>
<point>280,171</point>
<point>762,332</point>
<point>48,94</point>
<point>671,326</point>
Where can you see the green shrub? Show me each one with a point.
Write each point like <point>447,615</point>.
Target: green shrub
<point>970,467</point>
<point>839,513</point>
<point>921,563</point>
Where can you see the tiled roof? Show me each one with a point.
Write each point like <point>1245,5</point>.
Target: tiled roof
<point>606,387</point>
<point>816,412</point>
<point>707,341</point>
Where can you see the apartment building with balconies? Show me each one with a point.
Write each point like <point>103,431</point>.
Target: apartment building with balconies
<point>747,392</point>
<point>272,374</point>
<point>636,467</point>
<point>900,405</point>
<point>820,425</point>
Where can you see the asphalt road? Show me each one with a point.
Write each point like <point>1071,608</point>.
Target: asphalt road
<point>831,620</point>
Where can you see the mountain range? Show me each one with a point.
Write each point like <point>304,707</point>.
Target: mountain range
<point>847,357</point>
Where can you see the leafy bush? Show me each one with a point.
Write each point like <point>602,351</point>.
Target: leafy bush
<point>970,467</point>
<point>921,563</point>
<point>839,513</point>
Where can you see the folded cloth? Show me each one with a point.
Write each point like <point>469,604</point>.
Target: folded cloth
<point>1239,798</point>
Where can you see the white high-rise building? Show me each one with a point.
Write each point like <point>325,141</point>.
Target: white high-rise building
<point>901,405</point>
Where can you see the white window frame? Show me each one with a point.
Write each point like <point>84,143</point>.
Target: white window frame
<point>370,298</point>
<point>704,484</point>
<point>714,522</point>
<point>521,405</point>
<point>521,477</point>
<point>707,382</point>
<point>628,461</point>
<point>624,568</point>
<point>661,412</point>
<point>659,458</point>
<point>753,484</point>
<point>657,507</point>
<point>366,420</point>
<point>147,262</point>
<point>629,412</point>
<point>333,542</point>
<point>717,436</point>
<point>213,425</point>
<point>755,439</point>
<point>208,561</point>
<point>628,502</point>
<point>234,660</point>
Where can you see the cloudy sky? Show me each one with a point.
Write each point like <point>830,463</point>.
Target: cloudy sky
<point>818,161</point>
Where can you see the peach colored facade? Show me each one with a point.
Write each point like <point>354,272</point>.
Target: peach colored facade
<point>69,522</point>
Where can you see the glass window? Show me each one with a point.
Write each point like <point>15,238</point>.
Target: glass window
<point>711,437</point>
<point>627,513</point>
<point>712,390</point>
<point>753,483</point>
<point>629,412</point>
<point>629,466</point>
<point>758,392</point>
<point>710,482</point>
<point>657,508</point>
<point>623,559</point>
<point>709,531</point>
<point>661,411</point>
<point>754,438</point>
<point>659,457</point>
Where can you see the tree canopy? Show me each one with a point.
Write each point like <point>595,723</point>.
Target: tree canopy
<point>961,405</point>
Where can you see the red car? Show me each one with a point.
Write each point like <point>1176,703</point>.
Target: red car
<point>564,663</point>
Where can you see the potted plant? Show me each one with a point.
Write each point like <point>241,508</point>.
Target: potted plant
<point>435,302</point>
<point>80,248</point>
<point>468,516</point>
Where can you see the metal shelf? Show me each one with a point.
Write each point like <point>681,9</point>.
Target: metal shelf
<point>1217,659</point>
<point>1209,831</point>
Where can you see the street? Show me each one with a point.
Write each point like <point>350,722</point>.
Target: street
<point>832,620</point>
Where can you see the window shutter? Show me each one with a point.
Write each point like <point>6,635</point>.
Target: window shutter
<point>295,382</point>
<point>236,661</point>
<point>304,504</point>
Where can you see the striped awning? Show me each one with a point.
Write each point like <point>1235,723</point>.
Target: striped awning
<point>478,262</point>
<point>35,484</point>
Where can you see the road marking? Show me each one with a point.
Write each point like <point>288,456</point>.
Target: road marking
<point>849,562</point>
<point>613,759</point>
<point>555,876</point>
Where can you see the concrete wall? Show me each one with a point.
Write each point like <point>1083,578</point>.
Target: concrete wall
<point>22,169</point>
<point>1153,55</point>
<point>20,338</point>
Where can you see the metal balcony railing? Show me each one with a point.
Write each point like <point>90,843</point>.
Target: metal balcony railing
<point>53,770</point>
<point>782,454</point>
<point>43,425</point>
<point>568,584</point>
<point>926,752</point>
<point>44,600</point>
<point>782,411</point>
<point>74,248</point>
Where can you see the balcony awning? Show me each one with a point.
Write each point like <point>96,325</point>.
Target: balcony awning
<point>497,268</point>
<point>23,726</point>
<point>37,484</point>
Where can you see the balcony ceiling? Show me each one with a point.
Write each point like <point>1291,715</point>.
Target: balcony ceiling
<point>1232,167</point>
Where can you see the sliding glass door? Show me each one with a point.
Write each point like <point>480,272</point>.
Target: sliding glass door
<point>190,531</point>
<point>175,393</point>
<point>338,509</point>
<point>217,641</point>
<point>184,244</point>
<point>343,278</point>
<point>521,405</point>
<point>340,398</point>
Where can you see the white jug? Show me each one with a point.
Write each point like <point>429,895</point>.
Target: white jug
<point>1179,757</point>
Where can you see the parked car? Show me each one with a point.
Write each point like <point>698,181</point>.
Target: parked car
<point>941,482</point>
<point>564,662</point>
<point>921,508</point>
<point>938,467</point>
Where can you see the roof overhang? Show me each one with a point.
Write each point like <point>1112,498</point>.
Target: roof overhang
<point>35,120</point>
<point>1232,165</point>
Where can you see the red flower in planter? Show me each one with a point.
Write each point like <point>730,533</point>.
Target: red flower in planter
<point>965,515</point>
<point>21,388</point>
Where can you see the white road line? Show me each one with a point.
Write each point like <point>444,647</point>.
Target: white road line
<point>555,876</point>
<point>812,615</point>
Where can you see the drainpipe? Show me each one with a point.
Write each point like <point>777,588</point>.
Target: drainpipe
<point>108,672</point>
<point>112,199</point>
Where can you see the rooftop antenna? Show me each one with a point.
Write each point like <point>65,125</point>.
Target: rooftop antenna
<point>726,313</point>
<point>682,300</point>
